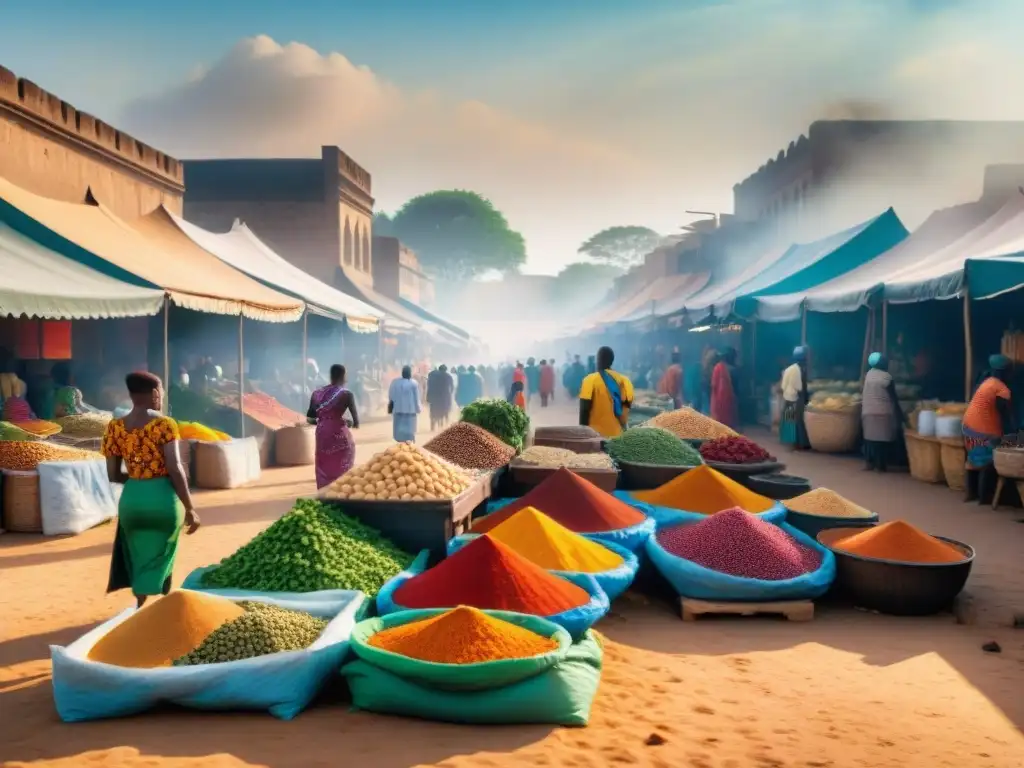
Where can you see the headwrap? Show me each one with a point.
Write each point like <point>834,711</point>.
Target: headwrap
<point>999,362</point>
<point>874,359</point>
<point>799,353</point>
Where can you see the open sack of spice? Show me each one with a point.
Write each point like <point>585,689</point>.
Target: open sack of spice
<point>733,555</point>
<point>313,552</point>
<point>465,665</point>
<point>204,652</point>
<point>701,492</point>
<point>489,575</point>
<point>542,541</point>
<point>577,504</point>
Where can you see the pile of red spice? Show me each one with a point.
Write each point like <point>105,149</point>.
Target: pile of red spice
<point>571,501</point>
<point>733,542</point>
<point>487,574</point>
<point>734,450</point>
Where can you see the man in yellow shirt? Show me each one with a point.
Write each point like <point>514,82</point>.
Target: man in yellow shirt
<point>605,397</point>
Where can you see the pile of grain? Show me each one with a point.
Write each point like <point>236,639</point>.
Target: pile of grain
<point>688,424</point>
<point>545,456</point>
<point>84,424</point>
<point>472,447</point>
<point>26,456</point>
<point>822,502</point>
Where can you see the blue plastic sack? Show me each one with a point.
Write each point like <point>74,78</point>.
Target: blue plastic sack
<point>667,516</point>
<point>632,538</point>
<point>324,602</point>
<point>612,582</point>
<point>283,683</point>
<point>691,580</point>
<point>576,620</point>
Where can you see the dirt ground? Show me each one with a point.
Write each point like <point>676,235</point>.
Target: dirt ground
<point>848,689</point>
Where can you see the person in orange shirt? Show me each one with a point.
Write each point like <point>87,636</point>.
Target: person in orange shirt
<point>671,383</point>
<point>547,383</point>
<point>988,417</point>
<point>517,394</point>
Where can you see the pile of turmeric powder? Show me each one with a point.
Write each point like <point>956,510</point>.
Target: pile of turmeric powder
<point>164,630</point>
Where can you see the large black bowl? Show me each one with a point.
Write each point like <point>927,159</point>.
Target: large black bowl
<point>777,486</point>
<point>644,477</point>
<point>894,587</point>
<point>740,472</point>
<point>812,525</point>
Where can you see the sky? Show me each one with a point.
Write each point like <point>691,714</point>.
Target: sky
<point>570,115</point>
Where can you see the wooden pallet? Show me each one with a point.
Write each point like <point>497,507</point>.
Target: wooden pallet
<point>794,610</point>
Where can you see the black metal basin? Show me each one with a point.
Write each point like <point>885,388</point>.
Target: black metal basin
<point>777,485</point>
<point>895,587</point>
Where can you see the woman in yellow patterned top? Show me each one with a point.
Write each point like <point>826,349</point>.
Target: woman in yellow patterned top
<point>156,503</point>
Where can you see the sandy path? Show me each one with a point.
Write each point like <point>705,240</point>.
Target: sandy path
<point>847,689</point>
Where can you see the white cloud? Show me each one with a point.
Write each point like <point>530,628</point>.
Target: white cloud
<point>630,124</point>
<point>265,99</point>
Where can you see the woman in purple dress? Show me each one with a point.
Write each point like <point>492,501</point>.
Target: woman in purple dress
<point>335,447</point>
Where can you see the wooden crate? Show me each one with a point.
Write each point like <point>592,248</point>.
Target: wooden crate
<point>417,525</point>
<point>793,610</point>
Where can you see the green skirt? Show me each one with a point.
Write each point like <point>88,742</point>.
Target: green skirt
<point>149,521</point>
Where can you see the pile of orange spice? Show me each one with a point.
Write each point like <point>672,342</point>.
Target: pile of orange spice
<point>901,541</point>
<point>462,635</point>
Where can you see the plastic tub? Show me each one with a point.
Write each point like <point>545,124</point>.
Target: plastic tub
<point>895,587</point>
<point>926,423</point>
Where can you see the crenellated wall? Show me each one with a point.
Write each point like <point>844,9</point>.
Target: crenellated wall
<point>51,148</point>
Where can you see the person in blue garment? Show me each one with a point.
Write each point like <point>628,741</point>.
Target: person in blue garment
<point>404,406</point>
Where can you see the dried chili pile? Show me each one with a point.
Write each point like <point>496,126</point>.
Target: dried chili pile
<point>490,575</point>
<point>734,450</point>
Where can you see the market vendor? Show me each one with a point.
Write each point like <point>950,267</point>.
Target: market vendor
<point>671,382</point>
<point>881,414</point>
<point>156,504</point>
<point>605,397</point>
<point>724,403</point>
<point>67,399</point>
<point>988,417</point>
<point>792,431</point>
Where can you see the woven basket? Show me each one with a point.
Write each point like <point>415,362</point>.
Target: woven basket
<point>833,431</point>
<point>23,512</point>
<point>924,454</point>
<point>1009,462</point>
<point>954,460</point>
<point>295,446</point>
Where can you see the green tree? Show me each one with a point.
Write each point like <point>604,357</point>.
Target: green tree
<point>383,226</point>
<point>621,246</point>
<point>459,235</point>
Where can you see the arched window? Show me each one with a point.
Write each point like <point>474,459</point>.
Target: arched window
<point>366,252</point>
<point>347,246</point>
<point>358,247</point>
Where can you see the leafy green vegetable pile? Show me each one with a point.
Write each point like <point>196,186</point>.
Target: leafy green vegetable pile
<point>313,547</point>
<point>650,445</point>
<point>502,419</point>
<point>261,630</point>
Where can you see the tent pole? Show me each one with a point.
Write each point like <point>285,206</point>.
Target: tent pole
<point>803,324</point>
<point>885,327</point>
<point>241,373</point>
<point>869,332</point>
<point>305,353</point>
<point>968,348</point>
<point>167,356</point>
